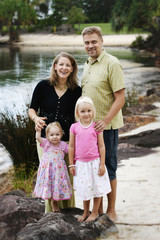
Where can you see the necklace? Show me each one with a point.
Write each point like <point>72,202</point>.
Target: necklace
<point>62,88</point>
<point>87,125</point>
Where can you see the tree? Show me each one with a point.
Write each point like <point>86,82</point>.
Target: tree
<point>98,10</point>
<point>60,11</point>
<point>13,13</point>
<point>138,14</point>
<point>76,15</point>
<point>43,8</point>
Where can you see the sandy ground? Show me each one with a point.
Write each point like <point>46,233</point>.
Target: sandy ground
<point>71,40</point>
<point>138,196</point>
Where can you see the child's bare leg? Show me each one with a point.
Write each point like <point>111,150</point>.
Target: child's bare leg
<point>95,211</point>
<point>101,207</point>
<point>85,214</point>
<point>55,207</point>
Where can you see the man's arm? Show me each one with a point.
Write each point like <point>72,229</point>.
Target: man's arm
<point>116,106</point>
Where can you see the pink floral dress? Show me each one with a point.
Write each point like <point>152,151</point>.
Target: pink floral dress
<point>52,177</point>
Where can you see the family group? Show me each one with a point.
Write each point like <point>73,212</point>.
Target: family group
<point>77,130</point>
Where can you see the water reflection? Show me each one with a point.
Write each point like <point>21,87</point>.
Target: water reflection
<point>21,68</point>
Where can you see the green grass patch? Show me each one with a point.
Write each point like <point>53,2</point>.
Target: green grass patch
<point>106,28</point>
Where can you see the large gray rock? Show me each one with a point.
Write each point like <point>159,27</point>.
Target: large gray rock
<point>23,218</point>
<point>16,212</point>
<point>64,226</point>
<point>146,139</point>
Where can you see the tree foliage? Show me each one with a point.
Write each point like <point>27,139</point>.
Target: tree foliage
<point>14,13</point>
<point>94,10</point>
<point>98,10</point>
<point>76,15</point>
<point>144,14</point>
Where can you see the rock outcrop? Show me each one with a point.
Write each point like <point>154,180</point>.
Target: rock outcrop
<point>23,218</point>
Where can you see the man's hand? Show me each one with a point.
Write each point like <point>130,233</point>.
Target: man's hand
<point>100,126</point>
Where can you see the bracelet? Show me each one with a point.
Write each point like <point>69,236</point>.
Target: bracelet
<point>33,117</point>
<point>71,166</point>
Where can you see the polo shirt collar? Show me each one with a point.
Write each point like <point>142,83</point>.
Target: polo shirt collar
<point>98,59</point>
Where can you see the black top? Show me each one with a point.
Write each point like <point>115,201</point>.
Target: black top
<point>55,108</point>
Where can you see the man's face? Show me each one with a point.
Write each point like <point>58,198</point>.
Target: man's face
<point>93,45</point>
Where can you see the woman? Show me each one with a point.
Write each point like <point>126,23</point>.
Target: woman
<point>55,99</point>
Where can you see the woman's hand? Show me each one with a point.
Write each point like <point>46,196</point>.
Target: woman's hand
<point>72,171</point>
<point>102,170</point>
<point>39,123</point>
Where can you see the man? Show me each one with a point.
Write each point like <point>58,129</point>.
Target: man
<point>103,81</point>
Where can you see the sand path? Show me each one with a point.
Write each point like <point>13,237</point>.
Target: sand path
<point>71,40</point>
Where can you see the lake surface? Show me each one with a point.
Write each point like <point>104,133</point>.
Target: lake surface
<point>22,68</point>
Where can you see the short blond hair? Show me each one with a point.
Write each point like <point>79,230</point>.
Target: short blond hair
<point>84,99</point>
<point>54,124</point>
<point>91,30</point>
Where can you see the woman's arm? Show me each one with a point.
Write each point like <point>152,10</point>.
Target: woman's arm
<point>101,148</point>
<point>71,153</point>
<point>39,121</point>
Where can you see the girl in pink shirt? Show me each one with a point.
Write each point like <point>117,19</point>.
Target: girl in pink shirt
<point>87,151</point>
<point>52,178</point>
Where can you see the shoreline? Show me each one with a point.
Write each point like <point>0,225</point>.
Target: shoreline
<point>36,39</point>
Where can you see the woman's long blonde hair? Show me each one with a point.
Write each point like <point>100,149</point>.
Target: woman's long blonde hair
<point>72,81</point>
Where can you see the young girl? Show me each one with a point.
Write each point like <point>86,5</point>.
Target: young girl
<point>87,150</point>
<point>52,178</point>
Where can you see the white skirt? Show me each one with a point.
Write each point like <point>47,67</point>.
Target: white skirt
<point>87,183</point>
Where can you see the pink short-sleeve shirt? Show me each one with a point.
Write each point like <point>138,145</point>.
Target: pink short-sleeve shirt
<point>86,146</point>
<point>63,146</point>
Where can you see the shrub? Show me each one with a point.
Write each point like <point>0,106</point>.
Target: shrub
<point>18,136</point>
<point>131,99</point>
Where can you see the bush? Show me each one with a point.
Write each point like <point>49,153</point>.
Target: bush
<point>131,99</point>
<point>138,43</point>
<point>18,136</point>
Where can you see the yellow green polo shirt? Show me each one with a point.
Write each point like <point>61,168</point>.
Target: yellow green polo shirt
<point>100,80</point>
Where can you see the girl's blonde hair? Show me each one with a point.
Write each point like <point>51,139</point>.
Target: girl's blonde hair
<point>54,124</point>
<point>72,81</point>
<point>84,99</point>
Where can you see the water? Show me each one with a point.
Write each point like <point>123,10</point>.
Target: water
<point>22,68</point>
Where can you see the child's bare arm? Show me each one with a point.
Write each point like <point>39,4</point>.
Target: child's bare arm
<point>38,136</point>
<point>71,151</point>
<point>101,148</point>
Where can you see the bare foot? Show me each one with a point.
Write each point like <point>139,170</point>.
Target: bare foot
<point>55,206</point>
<point>83,217</point>
<point>92,217</point>
<point>112,215</point>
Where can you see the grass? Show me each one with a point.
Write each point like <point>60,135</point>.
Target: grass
<point>106,28</point>
<point>23,181</point>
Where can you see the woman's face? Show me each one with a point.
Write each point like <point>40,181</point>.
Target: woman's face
<point>63,68</point>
